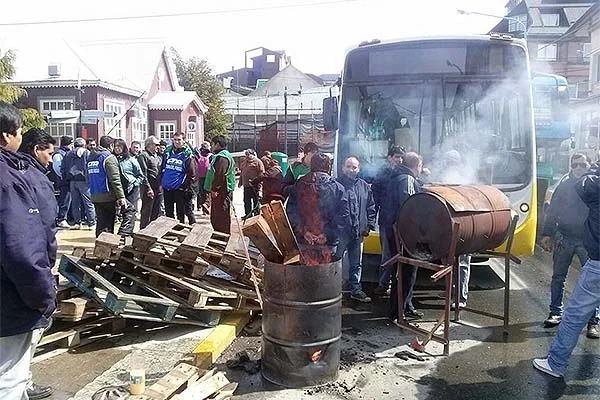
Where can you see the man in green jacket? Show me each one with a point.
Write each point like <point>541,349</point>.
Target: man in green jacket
<point>220,181</point>
<point>107,191</point>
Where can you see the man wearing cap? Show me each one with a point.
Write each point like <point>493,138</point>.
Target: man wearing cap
<point>151,191</point>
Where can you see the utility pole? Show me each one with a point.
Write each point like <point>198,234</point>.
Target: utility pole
<point>285,118</point>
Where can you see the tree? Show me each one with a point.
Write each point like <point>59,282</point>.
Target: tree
<point>197,75</point>
<point>11,94</point>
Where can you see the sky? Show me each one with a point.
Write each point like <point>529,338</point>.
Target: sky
<point>316,34</point>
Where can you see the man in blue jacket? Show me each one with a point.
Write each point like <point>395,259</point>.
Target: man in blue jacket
<point>27,286</point>
<point>563,232</point>
<point>362,217</point>
<point>403,184</point>
<point>178,175</point>
<point>586,296</point>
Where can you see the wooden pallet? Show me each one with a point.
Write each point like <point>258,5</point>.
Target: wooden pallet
<point>72,335</point>
<point>162,256</point>
<point>83,275</point>
<point>195,294</point>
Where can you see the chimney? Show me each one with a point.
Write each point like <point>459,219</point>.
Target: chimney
<point>54,70</point>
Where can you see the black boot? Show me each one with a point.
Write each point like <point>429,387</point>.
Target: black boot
<point>35,391</point>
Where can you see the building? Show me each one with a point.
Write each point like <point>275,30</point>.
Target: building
<point>286,109</point>
<point>83,93</point>
<point>586,112</point>
<point>260,64</point>
<point>551,50</point>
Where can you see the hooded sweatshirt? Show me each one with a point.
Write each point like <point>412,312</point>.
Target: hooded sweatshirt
<point>588,188</point>
<point>402,184</point>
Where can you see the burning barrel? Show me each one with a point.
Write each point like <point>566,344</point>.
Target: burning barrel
<point>301,323</point>
<point>425,221</point>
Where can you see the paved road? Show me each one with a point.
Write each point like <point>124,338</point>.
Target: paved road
<point>483,363</point>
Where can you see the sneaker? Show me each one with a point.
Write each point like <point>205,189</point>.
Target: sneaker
<point>35,391</point>
<point>541,364</point>
<point>414,314</point>
<point>552,321</point>
<point>76,227</point>
<point>360,296</point>
<point>593,331</point>
<point>89,227</point>
<point>461,304</point>
<point>381,291</point>
<point>63,224</point>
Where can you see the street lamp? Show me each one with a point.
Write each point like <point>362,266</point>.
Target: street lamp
<point>463,12</point>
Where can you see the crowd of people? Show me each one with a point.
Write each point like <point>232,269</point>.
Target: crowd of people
<point>99,184</point>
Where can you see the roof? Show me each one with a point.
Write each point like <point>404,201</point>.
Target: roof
<point>584,19</point>
<point>127,65</point>
<point>62,83</point>
<point>291,78</point>
<point>176,101</point>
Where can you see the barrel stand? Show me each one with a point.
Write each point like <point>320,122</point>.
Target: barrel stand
<point>443,270</point>
<point>508,257</point>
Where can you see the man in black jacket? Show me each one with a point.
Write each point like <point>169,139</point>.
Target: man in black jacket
<point>27,286</point>
<point>586,296</point>
<point>403,184</point>
<point>152,197</point>
<point>563,232</point>
<point>362,217</point>
<point>74,171</point>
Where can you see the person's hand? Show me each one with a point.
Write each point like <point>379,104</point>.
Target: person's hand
<point>547,243</point>
<point>321,239</point>
<point>150,193</point>
<point>366,233</point>
<point>122,203</point>
<point>214,194</point>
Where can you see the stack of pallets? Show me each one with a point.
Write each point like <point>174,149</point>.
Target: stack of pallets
<point>168,272</point>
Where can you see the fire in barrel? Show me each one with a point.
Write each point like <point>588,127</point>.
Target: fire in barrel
<point>426,220</point>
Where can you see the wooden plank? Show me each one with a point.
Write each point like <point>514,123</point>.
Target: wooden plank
<point>207,351</point>
<point>257,229</point>
<point>226,392</point>
<point>202,390</point>
<point>154,231</point>
<point>274,214</point>
<point>73,308</point>
<point>106,245</point>
<point>195,242</point>
<point>179,377</point>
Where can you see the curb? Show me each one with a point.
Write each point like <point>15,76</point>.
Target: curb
<point>211,347</point>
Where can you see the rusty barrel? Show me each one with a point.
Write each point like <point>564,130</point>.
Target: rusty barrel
<point>301,323</point>
<point>425,221</point>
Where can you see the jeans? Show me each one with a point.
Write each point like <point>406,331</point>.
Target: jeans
<point>80,195</point>
<point>409,278</point>
<point>384,272</point>
<point>175,199</point>
<point>133,197</point>
<point>64,202</point>
<point>564,250</point>
<point>354,249</point>
<point>582,304</point>
<point>150,208</point>
<point>464,270</point>
<point>15,361</point>
<point>251,200</point>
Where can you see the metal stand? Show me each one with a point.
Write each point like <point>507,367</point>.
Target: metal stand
<point>443,270</point>
<point>507,259</point>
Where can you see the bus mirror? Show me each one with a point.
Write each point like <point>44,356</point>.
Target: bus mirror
<point>330,114</point>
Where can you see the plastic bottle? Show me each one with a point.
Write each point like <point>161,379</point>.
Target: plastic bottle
<point>137,373</point>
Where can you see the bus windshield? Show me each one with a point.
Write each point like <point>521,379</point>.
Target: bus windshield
<point>442,100</point>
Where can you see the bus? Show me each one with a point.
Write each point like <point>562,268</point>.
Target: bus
<point>470,94</point>
<point>551,116</point>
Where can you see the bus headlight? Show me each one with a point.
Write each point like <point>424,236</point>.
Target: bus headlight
<point>524,207</point>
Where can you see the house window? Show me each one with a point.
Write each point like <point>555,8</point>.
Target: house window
<point>270,58</point>
<point>190,138</point>
<point>115,125</point>
<point>547,52</point>
<point>517,23</point>
<point>165,130</point>
<point>550,19</point>
<point>58,129</point>
<point>139,125</point>
<point>47,105</point>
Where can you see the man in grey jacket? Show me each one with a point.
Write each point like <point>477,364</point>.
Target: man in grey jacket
<point>362,215</point>
<point>563,234</point>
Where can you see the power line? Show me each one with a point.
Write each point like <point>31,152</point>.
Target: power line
<point>180,14</point>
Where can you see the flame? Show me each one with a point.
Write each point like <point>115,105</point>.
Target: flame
<point>316,356</point>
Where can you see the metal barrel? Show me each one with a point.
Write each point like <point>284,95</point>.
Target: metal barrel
<point>425,220</point>
<point>301,324</point>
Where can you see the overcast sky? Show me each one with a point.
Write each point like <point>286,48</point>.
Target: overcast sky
<point>316,35</point>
